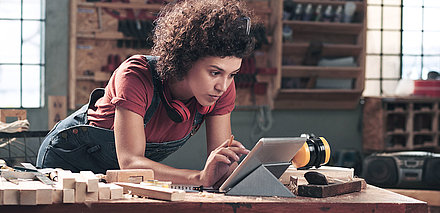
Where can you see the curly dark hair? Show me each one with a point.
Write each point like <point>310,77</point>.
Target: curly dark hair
<point>189,30</point>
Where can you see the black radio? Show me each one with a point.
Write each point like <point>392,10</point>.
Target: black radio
<point>412,169</point>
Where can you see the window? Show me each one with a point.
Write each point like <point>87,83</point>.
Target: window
<point>22,53</point>
<point>402,42</point>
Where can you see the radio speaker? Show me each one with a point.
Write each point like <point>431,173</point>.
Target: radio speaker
<point>413,169</point>
<point>380,170</point>
<point>431,175</point>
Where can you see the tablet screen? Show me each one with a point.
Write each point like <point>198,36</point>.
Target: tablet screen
<point>267,150</point>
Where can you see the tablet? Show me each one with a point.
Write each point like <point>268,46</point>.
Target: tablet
<point>266,151</point>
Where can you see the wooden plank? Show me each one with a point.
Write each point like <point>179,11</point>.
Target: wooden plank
<point>57,195</point>
<point>328,171</point>
<point>68,195</point>
<point>116,192</point>
<point>72,51</point>
<point>57,109</point>
<point>34,193</point>
<point>153,191</point>
<point>129,175</point>
<point>116,5</point>
<point>80,188</point>
<point>325,27</point>
<point>104,191</point>
<point>66,179</point>
<point>328,50</point>
<point>92,196</point>
<point>9,193</point>
<point>275,51</point>
<point>324,72</point>
<point>91,179</point>
<point>330,190</point>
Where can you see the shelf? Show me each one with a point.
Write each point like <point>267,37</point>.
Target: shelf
<point>317,99</point>
<point>424,132</point>
<point>359,5</point>
<point>85,78</point>
<point>116,5</point>
<point>102,35</point>
<point>411,130</point>
<point>397,132</point>
<point>326,72</point>
<point>328,50</point>
<point>325,27</point>
<point>430,111</point>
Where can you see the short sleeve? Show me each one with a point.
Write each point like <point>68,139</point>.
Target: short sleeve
<point>133,87</point>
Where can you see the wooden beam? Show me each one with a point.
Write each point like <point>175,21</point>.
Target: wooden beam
<point>34,193</point>
<point>330,189</point>
<point>91,179</point>
<point>116,192</point>
<point>328,171</point>
<point>80,188</point>
<point>104,191</point>
<point>153,191</point>
<point>129,175</point>
<point>66,179</point>
<point>68,195</point>
<point>9,193</point>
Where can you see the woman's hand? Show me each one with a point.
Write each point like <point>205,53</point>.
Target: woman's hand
<point>219,162</point>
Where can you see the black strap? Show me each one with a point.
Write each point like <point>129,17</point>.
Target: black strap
<point>155,101</point>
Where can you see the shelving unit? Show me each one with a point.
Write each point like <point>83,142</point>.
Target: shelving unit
<point>396,124</point>
<point>94,36</point>
<point>321,87</point>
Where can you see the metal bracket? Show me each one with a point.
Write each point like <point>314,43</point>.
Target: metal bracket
<point>263,181</point>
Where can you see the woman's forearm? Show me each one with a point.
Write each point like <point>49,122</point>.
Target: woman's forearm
<point>163,172</point>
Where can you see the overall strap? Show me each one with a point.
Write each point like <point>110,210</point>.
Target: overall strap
<point>156,98</point>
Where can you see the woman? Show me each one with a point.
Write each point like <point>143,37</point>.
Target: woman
<point>152,105</point>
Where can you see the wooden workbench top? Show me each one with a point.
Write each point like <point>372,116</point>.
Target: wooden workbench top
<point>372,199</point>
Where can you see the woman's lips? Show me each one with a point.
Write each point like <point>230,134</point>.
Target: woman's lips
<point>214,97</point>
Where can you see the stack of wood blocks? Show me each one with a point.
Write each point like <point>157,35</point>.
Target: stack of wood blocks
<point>85,187</point>
<point>69,188</point>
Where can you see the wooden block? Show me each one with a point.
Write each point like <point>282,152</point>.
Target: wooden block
<point>92,181</point>
<point>328,171</point>
<point>129,175</point>
<point>57,109</point>
<point>153,192</point>
<point>34,193</point>
<point>57,195</point>
<point>116,192</point>
<point>92,196</point>
<point>66,179</point>
<point>20,114</point>
<point>329,190</point>
<point>9,193</point>
<point>104,191</point>
<point>68,195</point>
<point>80,188</point>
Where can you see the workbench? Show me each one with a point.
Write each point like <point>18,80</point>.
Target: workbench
<point>371,199</point>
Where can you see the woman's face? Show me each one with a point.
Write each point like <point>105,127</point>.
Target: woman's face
<point>210,77</point>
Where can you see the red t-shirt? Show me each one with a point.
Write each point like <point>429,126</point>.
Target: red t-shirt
<point>131,87</point>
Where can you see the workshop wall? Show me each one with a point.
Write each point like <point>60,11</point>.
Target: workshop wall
<point>342,128</point>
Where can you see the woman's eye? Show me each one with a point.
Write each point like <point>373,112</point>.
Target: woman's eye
<point>214,73</point>
<point>233,74</point>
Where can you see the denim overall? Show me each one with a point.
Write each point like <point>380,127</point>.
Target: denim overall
<point>74,145</point>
